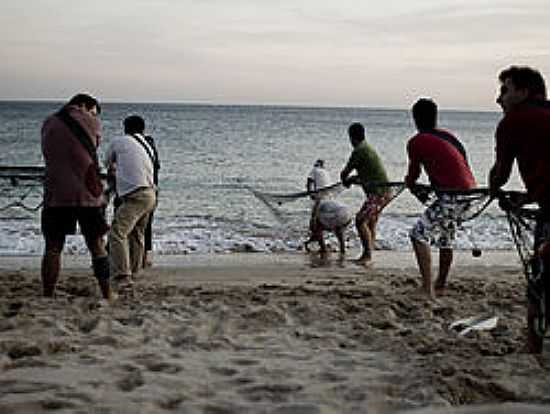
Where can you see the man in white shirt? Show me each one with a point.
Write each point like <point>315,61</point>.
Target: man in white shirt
<point>326,214</point>
<point>318,178</point>
<point>131,157</point>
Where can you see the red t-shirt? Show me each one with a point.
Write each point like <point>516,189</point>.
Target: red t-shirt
<point>444,162</point>
<point>524,135</point>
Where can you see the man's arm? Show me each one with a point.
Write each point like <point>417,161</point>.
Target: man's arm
<point>110,157</point>
<point>344,174</point>
<point>414,169</point>
<point>310,184</point>
<point>499,174</point>
<point>504,160</point>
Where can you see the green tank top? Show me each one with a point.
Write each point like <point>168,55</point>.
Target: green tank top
<point>368,165</point>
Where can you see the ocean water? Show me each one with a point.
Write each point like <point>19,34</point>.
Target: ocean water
<point>212,155</point>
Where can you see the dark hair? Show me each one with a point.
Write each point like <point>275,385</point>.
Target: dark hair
<point>87,100</point>
<point>525,77</point>
<point>425,114</point>
<point>134,124</point>
<point>356,132</point>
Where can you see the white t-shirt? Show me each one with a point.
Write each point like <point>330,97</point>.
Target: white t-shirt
<point>319,177</point>
<point>133,166</point>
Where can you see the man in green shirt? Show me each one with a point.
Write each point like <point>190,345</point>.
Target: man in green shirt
<point>370,172</point>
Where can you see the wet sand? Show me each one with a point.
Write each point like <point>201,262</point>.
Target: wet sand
<point>254,333</point>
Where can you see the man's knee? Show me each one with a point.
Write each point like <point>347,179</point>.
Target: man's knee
<point>95,245</point>
<point>54,246</point>
<point>360,221</point>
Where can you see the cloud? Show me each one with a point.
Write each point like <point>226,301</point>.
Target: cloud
<point>262,51</point>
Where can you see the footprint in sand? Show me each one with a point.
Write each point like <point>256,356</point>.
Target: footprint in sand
<point>25,387</point>
<point>57,404</point>
<point>171,402</point>
<point>22,350</point>
<point>131,381</point>
<point>13,309</point>
<point>224,371</point>
<point>165,367</point>
<point>245,362</point>
<point>270,392</point>
<point>297,409</point>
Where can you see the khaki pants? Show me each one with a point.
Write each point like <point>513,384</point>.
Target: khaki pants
<point>126,238</point>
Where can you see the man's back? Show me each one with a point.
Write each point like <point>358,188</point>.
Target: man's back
<point>442,159</point>
<point>524,134</point>
<point>67,161</point>
<point>134,167</point>
<point>319,178</point>
<point>368,165</point>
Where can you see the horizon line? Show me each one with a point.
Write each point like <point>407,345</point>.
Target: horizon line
<point>245,104</point>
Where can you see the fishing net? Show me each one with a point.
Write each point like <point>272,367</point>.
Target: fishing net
<point>278,199</point>
<point>274,201</point>
<point>522,220</point>
<point>21,188</point>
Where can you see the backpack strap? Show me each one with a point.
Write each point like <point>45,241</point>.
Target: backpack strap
<point>445,136</point>
<point>79,133</point>
<point>146,147</point>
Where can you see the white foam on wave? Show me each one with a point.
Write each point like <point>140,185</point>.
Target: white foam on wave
<point>197,235</point>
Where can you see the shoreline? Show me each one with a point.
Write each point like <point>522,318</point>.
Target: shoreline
<point>382,259</point>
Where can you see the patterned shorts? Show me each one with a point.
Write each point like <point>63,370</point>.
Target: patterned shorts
<point>438,225</point>
<point>372,206</point>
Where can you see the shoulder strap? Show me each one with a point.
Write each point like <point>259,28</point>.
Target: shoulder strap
<point>79,133</point>
<point>151,143</point>
<point>145,147</point>
<point>451,140</point>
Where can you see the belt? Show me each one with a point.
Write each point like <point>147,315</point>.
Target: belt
<point>137,190</point>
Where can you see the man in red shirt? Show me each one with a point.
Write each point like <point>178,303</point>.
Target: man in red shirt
<point>523,135</point>
<point>72,191</point>
<point>444,160</point>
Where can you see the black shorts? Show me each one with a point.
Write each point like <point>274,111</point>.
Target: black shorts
<point>57,222</point>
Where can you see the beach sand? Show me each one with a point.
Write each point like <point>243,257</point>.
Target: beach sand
<point>255,333</point>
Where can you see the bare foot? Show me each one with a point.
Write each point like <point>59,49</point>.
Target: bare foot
<point>439,287</point>
<point>363,261</point>
<point>439,290</point>
<point>112,298</point>
<point>147,259</point>
<point>424,293</point>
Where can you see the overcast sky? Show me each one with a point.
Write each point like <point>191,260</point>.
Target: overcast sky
<point>313,52</point>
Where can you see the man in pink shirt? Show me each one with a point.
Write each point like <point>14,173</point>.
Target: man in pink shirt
<point>72,190</point>
<point>444,160</point>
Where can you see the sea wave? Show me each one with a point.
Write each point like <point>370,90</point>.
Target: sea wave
<point>204,234</point>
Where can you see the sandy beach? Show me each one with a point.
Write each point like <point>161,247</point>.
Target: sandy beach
<point>256,333</point>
